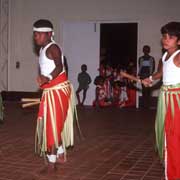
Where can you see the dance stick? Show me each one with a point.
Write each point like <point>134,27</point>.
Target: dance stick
<point>34,101</point>
<point>30,104</point>
<point>30,99</point>
<point>131,77</point>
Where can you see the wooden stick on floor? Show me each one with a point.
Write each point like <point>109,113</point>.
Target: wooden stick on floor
<point>28,102</point>
<point>30,99</point>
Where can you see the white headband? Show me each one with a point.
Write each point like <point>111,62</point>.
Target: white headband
<point>42,29</point>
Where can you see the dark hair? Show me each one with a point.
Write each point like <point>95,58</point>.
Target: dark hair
<point>84,66</point>
<point>146,47</point>
<point>171,28</point>
<point>43,23</point>
<point>98,80</point>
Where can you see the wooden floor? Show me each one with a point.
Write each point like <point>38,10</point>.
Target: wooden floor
<point>118,144</point>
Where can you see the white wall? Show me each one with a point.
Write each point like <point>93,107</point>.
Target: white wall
<point>81,44</point>
<point>150,16</point>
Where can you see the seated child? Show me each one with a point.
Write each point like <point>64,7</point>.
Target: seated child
<point>116,93</point>
<point>101,96</point>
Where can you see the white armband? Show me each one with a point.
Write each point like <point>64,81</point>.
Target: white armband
<point>49,76</point>
<point>150,78</point>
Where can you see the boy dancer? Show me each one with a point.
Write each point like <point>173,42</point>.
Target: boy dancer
<point>167,124</point>
<point>55,118</point>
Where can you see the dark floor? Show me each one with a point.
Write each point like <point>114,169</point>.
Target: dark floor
<point>118,144</point>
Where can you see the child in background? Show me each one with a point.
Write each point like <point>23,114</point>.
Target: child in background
<point>100,93</point>
<point>102,70</point>
<point>116,93</point>
<point>84,80</point>
<point>123,95</point>
<point>146,68</point>
<point>108,81</point>
<point>131,86</point>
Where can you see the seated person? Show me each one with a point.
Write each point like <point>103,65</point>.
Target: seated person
<point>101,96</point>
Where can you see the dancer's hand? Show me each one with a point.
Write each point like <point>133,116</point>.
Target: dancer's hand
<point>41,79</point>
<point>147,82</point>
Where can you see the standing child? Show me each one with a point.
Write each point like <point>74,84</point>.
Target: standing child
<point>54,130</point>
<point>146,68</point>
<point>84,80</point>
<point>167,126</point>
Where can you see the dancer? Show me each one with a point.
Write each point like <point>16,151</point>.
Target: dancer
<point>56,111</point>
<point>167,126</point>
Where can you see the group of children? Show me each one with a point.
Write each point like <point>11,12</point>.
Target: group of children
<point>112,89</point>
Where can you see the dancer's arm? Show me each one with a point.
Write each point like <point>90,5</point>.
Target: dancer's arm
<point>129,76</point>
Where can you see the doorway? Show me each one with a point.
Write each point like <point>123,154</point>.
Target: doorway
<point>118,52</point>
<point>118,43</point>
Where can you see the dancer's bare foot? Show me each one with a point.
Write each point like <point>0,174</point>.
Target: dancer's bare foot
<point>49,169</point>
<point>61,159</point>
